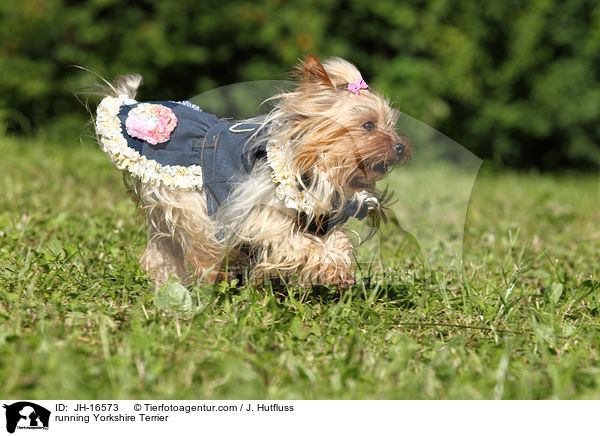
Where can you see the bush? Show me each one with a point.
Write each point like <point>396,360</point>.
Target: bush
<point>513,81</point>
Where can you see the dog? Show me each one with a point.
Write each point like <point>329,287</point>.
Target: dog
<point>269,195</point>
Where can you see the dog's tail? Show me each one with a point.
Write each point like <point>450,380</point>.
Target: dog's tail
<point>105,119</point>
<point>127,84</point>
<point>122,88</point>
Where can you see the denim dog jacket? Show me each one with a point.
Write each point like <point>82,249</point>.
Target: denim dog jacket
<point>178,144</point>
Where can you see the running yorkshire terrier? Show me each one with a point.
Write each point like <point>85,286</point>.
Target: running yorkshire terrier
<point>270,194</point>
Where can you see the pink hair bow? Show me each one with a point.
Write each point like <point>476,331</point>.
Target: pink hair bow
<point>356,86</point>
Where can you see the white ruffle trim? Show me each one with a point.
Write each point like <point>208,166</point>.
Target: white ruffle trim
<point>287,186</point>
<point>287,189</point>
<point>112,141</point>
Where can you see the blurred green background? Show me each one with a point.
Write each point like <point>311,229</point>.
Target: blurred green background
<point>516,82</point>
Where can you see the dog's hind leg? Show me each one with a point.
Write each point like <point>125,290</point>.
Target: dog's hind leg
<point>181,236</point>
<point>163,259</point>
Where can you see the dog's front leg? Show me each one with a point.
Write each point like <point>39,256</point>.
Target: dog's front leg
<point>315,259</point>
<point>329,261</point>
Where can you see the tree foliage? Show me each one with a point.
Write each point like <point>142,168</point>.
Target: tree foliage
<point>514,81</point>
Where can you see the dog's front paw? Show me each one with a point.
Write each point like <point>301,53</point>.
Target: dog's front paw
<point>335,276</point>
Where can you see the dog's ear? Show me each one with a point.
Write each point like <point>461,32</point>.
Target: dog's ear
<point>312,71</point>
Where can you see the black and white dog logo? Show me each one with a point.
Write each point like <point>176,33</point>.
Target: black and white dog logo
<point>26,415</point>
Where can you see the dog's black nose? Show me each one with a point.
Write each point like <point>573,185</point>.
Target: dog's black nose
<point>399,147</point>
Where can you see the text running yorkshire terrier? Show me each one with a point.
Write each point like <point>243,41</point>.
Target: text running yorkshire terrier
<point>268,195</point>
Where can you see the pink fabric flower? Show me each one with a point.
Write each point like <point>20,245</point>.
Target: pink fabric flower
<point>152,123</point>
<point>356,86</point>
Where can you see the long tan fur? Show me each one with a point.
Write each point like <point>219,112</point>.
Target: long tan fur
<point>323,124</point>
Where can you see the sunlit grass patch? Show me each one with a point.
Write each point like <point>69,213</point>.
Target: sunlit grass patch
<point>78,318</point>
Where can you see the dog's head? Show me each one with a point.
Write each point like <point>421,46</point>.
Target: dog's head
<point>341,127</point>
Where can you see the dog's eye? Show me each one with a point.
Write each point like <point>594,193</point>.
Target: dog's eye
<point>369,125</point>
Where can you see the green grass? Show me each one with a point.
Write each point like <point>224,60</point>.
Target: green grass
<point>78,319</point>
